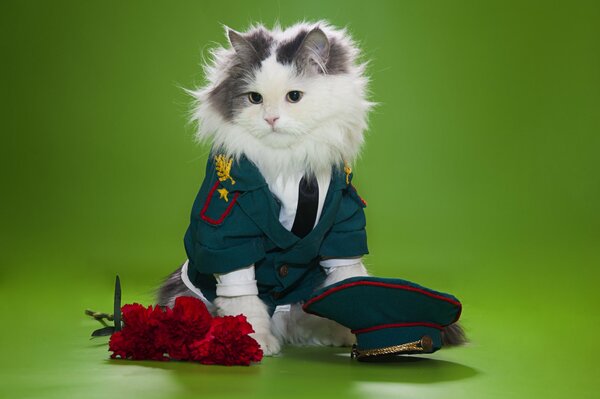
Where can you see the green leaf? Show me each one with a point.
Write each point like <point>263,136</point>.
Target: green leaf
<point>103,332</point>
<point>117,304</point>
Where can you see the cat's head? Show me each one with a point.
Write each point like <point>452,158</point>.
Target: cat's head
<point>288,99</point>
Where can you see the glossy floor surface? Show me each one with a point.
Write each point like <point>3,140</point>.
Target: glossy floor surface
<point>530,338</point>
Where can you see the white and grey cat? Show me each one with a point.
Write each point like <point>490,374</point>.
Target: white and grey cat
<point>294,102</point>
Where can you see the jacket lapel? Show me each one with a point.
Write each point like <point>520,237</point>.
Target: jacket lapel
<point>253,204</point>
<point>255,194</point>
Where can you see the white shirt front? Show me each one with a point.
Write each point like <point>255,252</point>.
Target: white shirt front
<point>286,191</point>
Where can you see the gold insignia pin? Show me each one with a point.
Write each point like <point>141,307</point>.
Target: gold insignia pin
<point>347,170</point>
<point>223,166</point>
<point>223,192</point>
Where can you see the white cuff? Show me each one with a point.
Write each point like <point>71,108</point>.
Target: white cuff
<point>189,285</point>
<point>241,289</point>
<point>329,265</point>
<point>339,262</point>
<point>237,283</point>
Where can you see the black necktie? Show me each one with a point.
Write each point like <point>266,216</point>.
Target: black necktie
<point>308,204</point>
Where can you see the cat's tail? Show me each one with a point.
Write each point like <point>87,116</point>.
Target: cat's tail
<point>171,288</point>
<point>454,335</point>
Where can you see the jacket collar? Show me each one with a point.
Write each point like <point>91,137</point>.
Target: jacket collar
<point>243,175</point>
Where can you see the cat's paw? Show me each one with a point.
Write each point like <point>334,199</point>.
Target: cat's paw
<point>342,336</point>
<point>268,343</point>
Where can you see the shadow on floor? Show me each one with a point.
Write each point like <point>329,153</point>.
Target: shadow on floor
<point>325,365</point>
<point>407,369</point>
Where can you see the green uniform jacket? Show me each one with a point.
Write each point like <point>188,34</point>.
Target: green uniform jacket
<point>235,223</point>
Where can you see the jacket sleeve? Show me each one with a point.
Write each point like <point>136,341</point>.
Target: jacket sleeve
<point>220,238</point>
<point>347,238</point>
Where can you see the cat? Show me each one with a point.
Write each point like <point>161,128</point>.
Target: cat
<point>293,104</point>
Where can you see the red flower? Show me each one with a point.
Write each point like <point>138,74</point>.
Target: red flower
<point>188,321</point>
<point>137,339</point>
<point>186,332</point>
<point>227,343</point>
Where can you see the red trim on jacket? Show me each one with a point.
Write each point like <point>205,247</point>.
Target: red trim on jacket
<point>207,203</point>
<point>361,198</point>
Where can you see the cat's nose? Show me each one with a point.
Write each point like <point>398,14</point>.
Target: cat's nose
<point>271,120</point>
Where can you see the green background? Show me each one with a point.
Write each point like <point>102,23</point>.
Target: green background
<point>481,171</point>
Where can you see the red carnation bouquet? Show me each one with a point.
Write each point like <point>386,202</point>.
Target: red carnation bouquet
<point>186,332</point>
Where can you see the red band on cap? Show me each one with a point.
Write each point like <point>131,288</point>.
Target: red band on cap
<point>395,325</point>
<point>385,285</point>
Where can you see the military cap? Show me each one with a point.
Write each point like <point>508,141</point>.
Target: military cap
<point>388,316</point>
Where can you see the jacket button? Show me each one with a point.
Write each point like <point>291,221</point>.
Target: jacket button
<point>277,295</point>
<point>283,271</point>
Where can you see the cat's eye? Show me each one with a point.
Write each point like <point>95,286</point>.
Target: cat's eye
<point>294,96</point>
<point>255,98</point>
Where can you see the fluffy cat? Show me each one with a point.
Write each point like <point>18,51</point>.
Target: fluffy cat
<point>294,103</point>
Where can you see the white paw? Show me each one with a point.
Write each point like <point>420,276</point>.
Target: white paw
<point>268,343</point>
<point>341,336</point>
<point>256,313</point>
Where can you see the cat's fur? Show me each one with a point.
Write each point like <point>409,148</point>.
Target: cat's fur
<point>325,128</point>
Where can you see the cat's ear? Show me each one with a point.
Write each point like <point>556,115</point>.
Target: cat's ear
<point>314,49</point>
<point>242,47</point>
